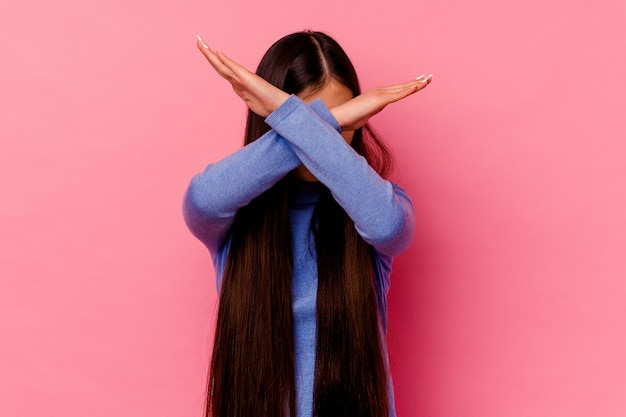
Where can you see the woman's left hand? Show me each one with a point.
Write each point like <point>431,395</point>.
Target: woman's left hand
<point>259,95</point>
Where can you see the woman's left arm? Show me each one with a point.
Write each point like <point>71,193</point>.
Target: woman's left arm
<point>382,212</point>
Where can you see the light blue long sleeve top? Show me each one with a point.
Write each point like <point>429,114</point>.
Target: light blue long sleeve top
<point>303,134</point>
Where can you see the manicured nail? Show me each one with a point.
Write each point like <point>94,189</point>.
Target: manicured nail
<point>420,76</point>
<point>202,42</point>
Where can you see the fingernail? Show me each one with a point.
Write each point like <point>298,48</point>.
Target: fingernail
<point>420,76</point>
<point>202,42</point>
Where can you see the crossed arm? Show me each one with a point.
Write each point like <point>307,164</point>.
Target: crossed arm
<point>381,211</point>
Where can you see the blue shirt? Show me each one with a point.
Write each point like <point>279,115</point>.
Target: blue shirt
<point>381,211</point>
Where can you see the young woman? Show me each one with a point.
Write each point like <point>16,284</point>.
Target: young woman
<point>302,229</point>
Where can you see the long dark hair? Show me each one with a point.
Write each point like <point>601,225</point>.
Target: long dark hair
<point>252,368</point>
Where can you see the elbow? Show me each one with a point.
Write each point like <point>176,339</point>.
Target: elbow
<point>200,218</point>
<point>198,201</point>
<point>401,234</point>
<point>192,207</point>
<point>197,207</point>
<point>394,233</point>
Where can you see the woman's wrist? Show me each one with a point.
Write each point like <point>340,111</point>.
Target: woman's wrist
<point>278,100</point>
<point>337,114</point>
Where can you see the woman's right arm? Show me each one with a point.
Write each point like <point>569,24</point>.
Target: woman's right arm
<point>214,195</point>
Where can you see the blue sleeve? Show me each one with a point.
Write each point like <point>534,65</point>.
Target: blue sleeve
<point>213,196</point>
<point>382,212</point>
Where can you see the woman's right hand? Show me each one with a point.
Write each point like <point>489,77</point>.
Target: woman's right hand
<point>259,95</point>
<point>354,113</point>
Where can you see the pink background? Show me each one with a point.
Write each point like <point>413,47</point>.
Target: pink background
<point>511,301</point>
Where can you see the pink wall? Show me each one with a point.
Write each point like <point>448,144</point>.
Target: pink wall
<point>512,300</point>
